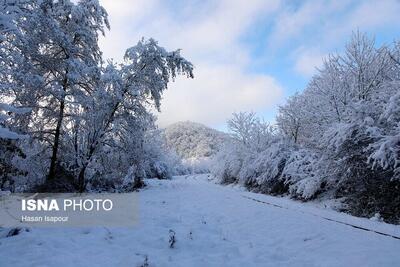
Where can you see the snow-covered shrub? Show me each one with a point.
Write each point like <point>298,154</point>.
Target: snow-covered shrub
<point>118,170</point>
<point>255,158</point>
<point>197,165</point>
<point>228,162</point>
<point>10,149</point>
<point>385,151</point>
<point>367,187</point>
<point>301,174</point>
<point>32,162</point>
<point>262,170</point>
<point>7,169</point>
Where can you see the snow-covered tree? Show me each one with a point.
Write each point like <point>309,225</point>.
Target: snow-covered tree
<point>57,66</point>
<point>290,117</point>
<point>97,114</point>
<point>121,110</point>
<point>250,130</point>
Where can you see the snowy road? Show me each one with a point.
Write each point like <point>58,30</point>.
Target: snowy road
<point>214,226</point>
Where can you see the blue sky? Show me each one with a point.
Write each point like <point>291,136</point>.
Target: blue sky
<point>250,55</point>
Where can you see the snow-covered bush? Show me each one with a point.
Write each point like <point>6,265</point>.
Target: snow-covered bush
<point>385,152</point>
<point>301,174</point>
<point>369,187</point>
<point>228,162</point>
<point>255,158</point>
<point>160,161</point>
<point>9,150</point>
<point>280,168</point>
<point>196,165</point>
<point>262,170</point>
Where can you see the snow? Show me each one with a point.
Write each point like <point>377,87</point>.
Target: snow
<point>214,225</point>
<point>7,134</point>
<point>4,132</point>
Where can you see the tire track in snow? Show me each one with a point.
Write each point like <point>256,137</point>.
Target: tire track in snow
<point>325,218</point>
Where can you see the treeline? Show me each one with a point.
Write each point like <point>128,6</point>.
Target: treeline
<point>69,120</point>
<point>339,138</point>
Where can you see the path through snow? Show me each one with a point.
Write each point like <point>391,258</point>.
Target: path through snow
<point>214,226</point>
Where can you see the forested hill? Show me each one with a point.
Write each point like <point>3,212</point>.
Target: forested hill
<point>194,140</point>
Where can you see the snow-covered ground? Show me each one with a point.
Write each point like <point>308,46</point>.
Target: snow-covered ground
<point>214,226</point>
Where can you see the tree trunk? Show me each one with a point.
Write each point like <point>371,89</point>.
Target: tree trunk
<point>81,179</point>
<point>53,163</point>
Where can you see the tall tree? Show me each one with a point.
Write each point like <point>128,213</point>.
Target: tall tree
<point>59,64</point>
<point>126,91</point>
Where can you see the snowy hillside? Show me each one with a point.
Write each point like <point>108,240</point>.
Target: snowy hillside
<point>194,140</point>
<point>212,225</point>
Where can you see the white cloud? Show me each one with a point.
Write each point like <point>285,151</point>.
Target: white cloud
<point>307,61</point>
<point>216,93</point>
<point>208,33</point>
<point>368,16</point>
<point>290,23</point>
<point>375,14</point>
